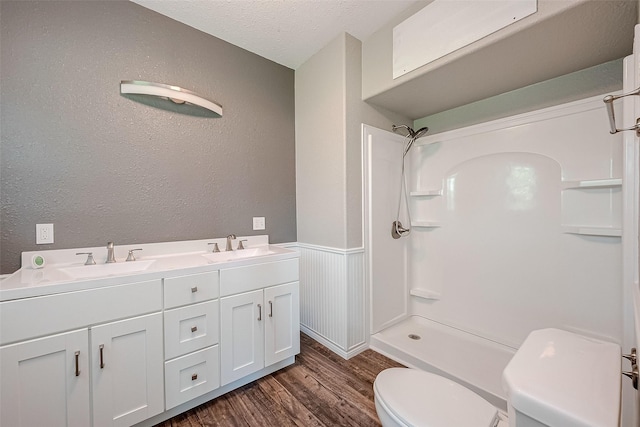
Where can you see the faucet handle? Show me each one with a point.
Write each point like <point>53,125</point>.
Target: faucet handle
<point>215,247</point>
<point>90,260</point>
<point>131,257</point>
<point>240,245</point>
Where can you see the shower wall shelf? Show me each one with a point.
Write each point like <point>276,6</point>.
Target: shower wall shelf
<point>426,193</point>
<point>592,231</point>
<point>592,183</point>
<point>426,224</point>
<point>425,293</point>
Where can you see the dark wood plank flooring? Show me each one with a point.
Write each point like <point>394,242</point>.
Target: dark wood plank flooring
<point>320,389</point>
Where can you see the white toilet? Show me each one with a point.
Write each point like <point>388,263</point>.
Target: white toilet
<point>555,379</point>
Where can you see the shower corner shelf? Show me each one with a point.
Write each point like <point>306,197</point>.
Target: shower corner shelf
<point>592,231</point>
<point>592,183</point>
<point>426,224</point>
<point>425,294</point>
<point>426,193</point>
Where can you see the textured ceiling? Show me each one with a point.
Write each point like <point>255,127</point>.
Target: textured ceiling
<point>285,31</point>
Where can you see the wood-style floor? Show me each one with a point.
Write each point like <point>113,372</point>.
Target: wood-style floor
<point>320,389</point>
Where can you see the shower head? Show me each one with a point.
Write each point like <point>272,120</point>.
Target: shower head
<point>420,132</point>
<point>411,135</point>
<point>410,132</point>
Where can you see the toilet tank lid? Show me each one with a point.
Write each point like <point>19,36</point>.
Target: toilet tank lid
<point>560,378</point>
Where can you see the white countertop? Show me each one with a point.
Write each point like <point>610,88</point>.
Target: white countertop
<point>167,260</point>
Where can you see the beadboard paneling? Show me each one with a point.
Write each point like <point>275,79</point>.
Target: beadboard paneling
<point>332,297</point>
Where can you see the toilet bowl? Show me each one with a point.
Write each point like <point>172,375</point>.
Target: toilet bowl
<point>405,397</point>
<point>556,379</point>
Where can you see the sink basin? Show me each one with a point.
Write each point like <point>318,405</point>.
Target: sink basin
<point>239,254</point>
<point>102,270</point>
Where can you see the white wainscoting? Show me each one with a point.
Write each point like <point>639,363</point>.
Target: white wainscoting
<point>332,298</point>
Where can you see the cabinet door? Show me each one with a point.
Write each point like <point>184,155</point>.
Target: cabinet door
<point>242,335</point>
<point>127,371</point>
<point>282,327</point>
<point>39,385</point>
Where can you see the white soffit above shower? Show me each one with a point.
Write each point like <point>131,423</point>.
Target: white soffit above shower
<point>562,37</point>
<point>445,26</point>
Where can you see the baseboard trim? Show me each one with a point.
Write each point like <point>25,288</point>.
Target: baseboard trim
<point>359,348</point>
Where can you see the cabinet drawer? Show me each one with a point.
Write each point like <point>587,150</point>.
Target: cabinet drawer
<point>190,376</point>
<point>32,317</point>
<point>258,276</point>
<point>190,328</point>
<point>190,289</point>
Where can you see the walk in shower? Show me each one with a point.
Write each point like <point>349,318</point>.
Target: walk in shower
<point>516,226</point>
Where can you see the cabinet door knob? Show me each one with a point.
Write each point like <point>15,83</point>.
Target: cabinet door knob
<point>194,328</point>
<point>101,356</point>
<point>259,312</point>
<point>194,377</point>
<point>77,364</point>
<point>194,289</point>
<point>270,309</point>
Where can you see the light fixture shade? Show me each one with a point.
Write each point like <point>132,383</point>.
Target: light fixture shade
<point>175,94</point>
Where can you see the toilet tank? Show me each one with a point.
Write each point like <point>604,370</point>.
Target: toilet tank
<point>560,379</point>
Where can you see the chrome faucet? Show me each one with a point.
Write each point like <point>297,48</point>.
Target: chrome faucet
<point>230,237</point>
<point>110,256</point>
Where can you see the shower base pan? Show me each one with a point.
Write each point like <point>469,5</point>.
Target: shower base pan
<point>473,361</point>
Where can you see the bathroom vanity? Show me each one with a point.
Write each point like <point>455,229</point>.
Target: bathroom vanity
<point>78,348</point>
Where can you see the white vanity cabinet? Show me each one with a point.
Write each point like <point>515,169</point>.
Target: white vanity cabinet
<point>141,347</point>
<point>50,347</point>
<point>259,315</point>
<point>191,330</point>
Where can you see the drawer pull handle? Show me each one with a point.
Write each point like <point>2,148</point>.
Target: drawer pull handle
<point>270,309</point>
<point>194,328</point>
<point>101,356</point>
<point>77,364</point>
<point>259,312</point>
<point>194,377</point>
<point>194,289</point>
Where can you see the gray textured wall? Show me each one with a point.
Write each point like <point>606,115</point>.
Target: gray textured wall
<point>101,167</point>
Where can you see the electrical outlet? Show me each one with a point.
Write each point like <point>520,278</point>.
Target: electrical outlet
<point>44,234</point>
<point>258,223</point>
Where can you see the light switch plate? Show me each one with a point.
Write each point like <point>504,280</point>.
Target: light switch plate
<point>44,234</point>
<point>258,223</point>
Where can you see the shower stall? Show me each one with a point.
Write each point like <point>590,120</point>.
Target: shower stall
<point>516,225</point>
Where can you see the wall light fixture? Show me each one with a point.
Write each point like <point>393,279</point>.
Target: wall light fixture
<point>175,94</point>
